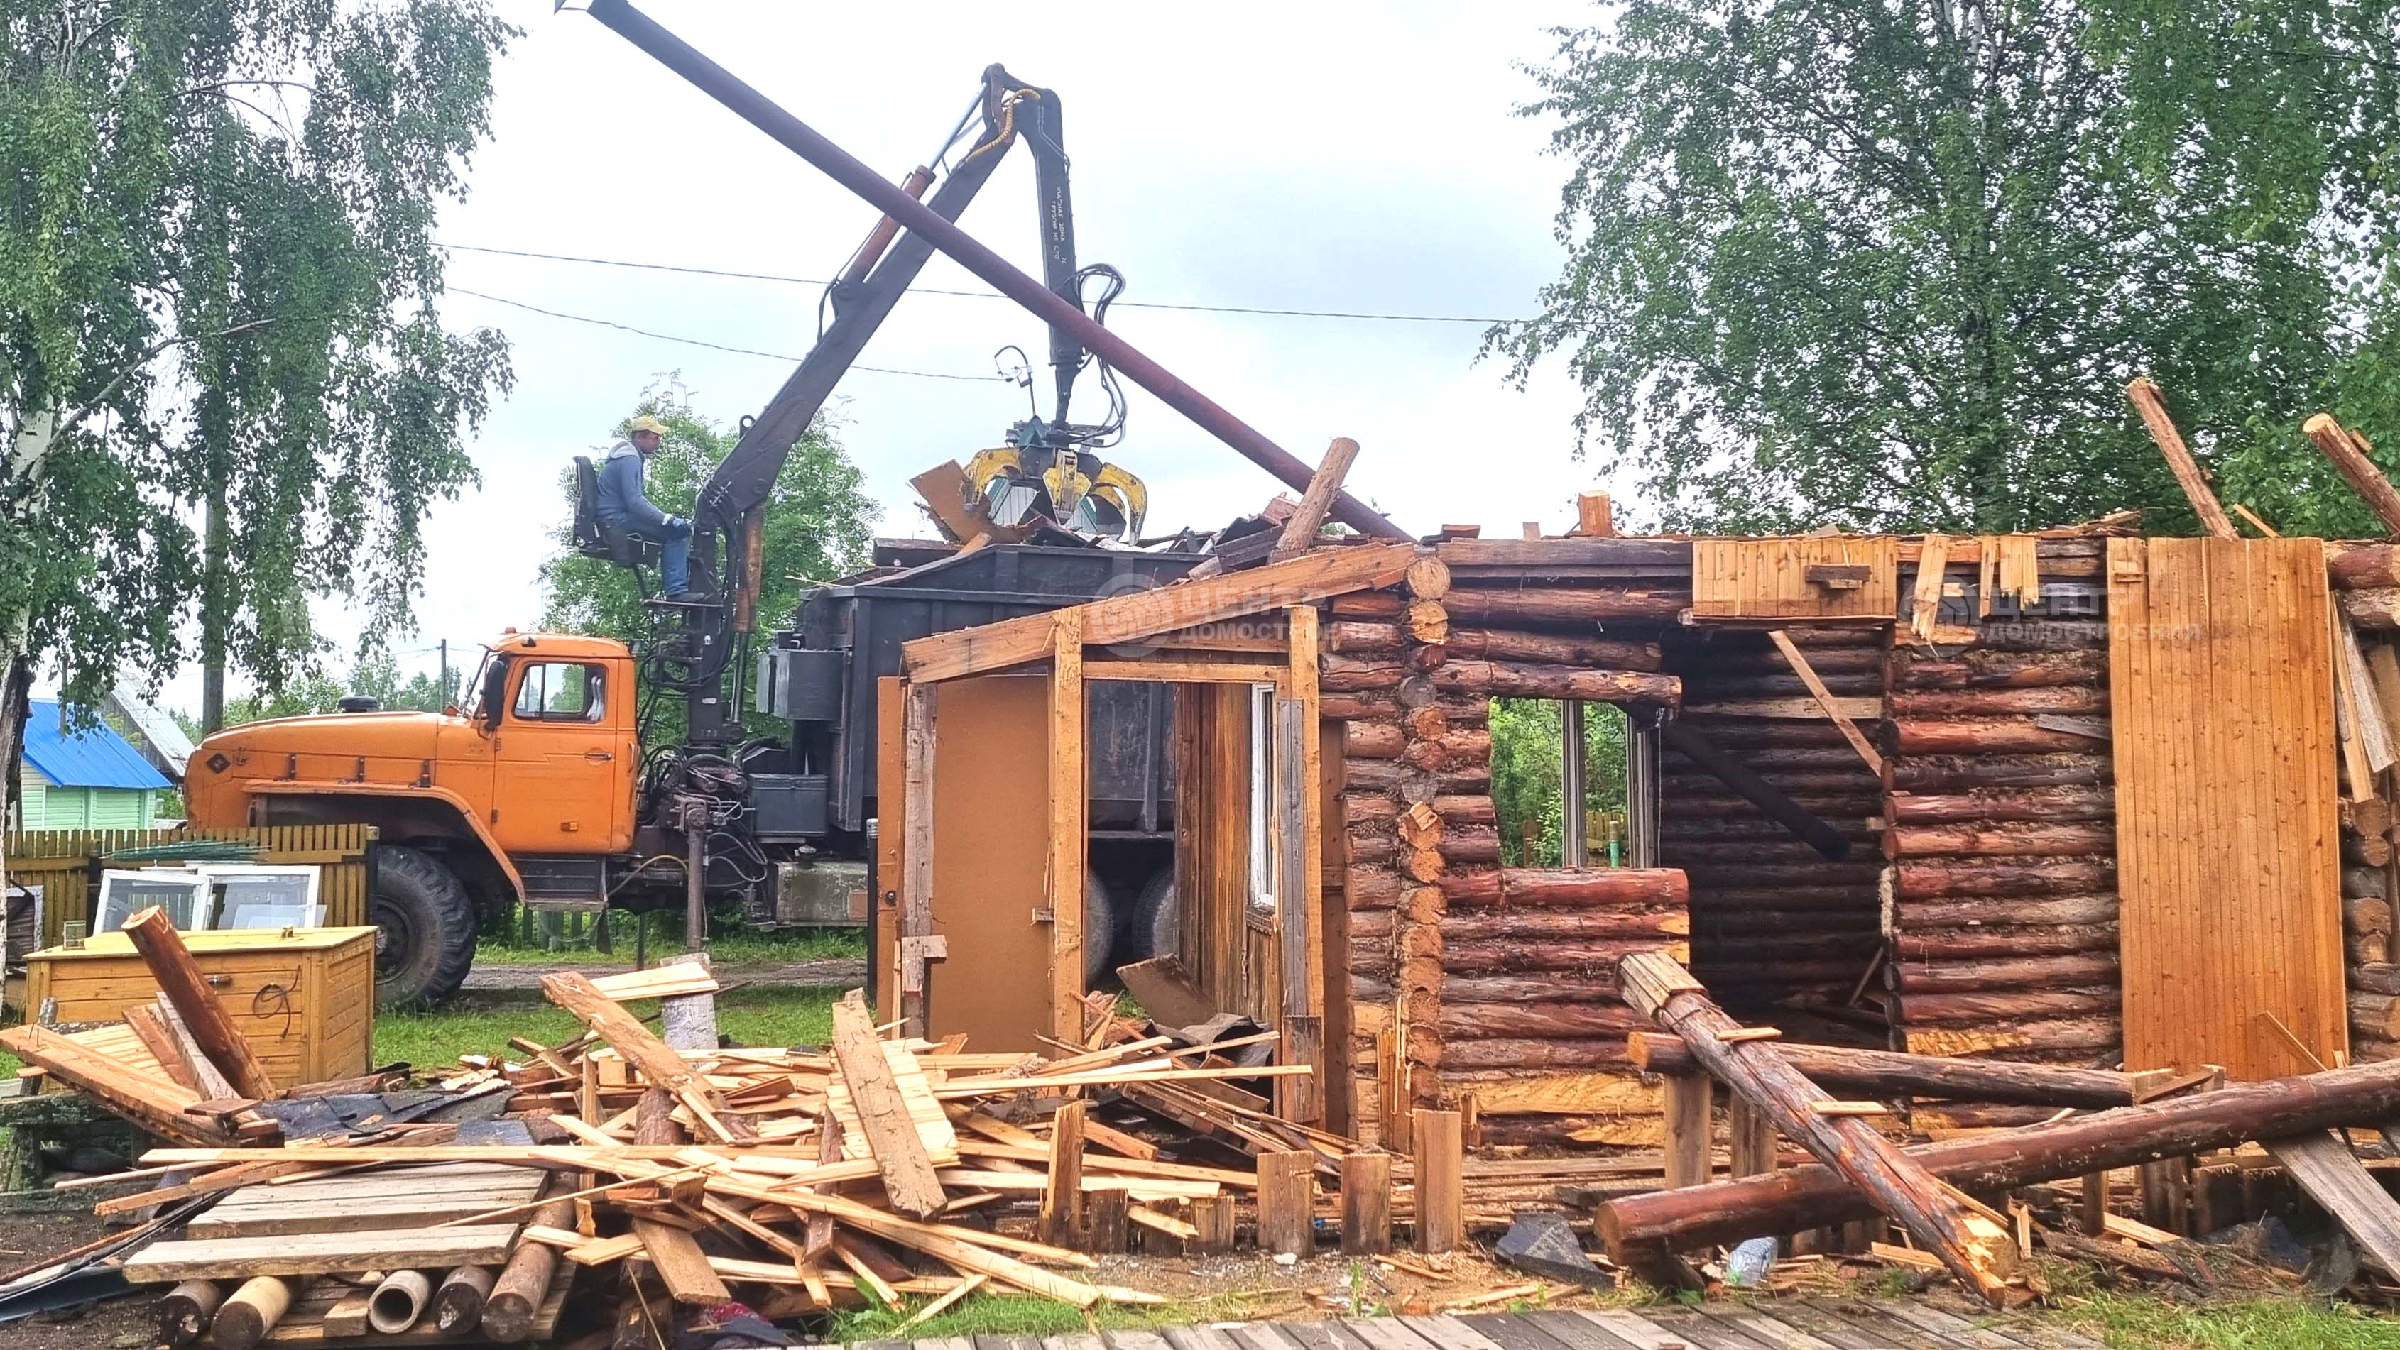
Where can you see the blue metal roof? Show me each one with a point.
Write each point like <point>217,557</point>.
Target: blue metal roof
<point>97,758</point>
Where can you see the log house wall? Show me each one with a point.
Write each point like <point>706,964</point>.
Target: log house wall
<point>2366,588</point>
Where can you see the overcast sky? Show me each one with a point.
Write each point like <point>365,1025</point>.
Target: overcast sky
<point>1314,156</point>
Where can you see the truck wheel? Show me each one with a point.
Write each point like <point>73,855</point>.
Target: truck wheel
<point>1099,932</point>
<point>1156,916</point>
<point>426,923</point>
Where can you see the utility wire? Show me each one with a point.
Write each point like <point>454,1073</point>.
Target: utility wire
<point>977,295</point>
<point>712,346</point>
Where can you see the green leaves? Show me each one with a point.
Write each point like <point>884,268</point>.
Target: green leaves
<point>217,277</point>
<point>1890,267</point>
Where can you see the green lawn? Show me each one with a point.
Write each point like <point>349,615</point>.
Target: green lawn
<point>738,946</point>
<point>432,1041</point>
<point>2144,1322</point>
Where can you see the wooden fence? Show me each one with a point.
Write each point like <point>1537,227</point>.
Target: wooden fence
<point>66,864</point>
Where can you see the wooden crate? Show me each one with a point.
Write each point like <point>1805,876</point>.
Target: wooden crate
<point>305,1001</point>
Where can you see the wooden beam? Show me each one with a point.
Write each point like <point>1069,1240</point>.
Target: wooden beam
<point>1148,670</point>
<point>2347,449</point>
<point>1978,1249</point>
<point>1689,1144</point>
<point>891,1136</point>
<point>1300,532</point>
<point>1070,798</point>
<point>1287,1203</point>
<point>1825,699</point>
<point>179,978</point>
<point>1061,1219</point>
<point>916,853</point>
<point>1366,1204</point>
<point>1439,1141</point>
<point>1143,614</point>
<point>659,1064</point>
<point>1891,1073</point>
<point>2330,1174</point>
<point>2148,401</point>
<point>1593,518</point>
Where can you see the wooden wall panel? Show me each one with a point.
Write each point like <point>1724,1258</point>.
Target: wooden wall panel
<point>2221,692</point>
<point>1768,578</point>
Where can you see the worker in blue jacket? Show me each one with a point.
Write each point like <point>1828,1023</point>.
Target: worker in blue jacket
<point>623,506</point>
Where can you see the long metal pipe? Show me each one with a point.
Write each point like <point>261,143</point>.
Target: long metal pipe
<point>796,136</point>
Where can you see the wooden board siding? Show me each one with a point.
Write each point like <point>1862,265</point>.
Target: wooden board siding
<point>2228,862</point>
<point>1768,578</point>
<point>63,863</point>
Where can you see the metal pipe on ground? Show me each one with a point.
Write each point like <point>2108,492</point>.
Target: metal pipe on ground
<point>796,136</point>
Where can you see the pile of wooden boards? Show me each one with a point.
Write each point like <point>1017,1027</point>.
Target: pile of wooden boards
<point>658,1175</point>
<point>1930,1191</point>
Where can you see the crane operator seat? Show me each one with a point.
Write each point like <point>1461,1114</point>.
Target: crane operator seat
<point>594,539</point>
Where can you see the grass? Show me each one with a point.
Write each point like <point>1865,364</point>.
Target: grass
<point>2142,1322</point>
<point>759,1015</point>
<point>737,946</point>
<point>1008,1315</point>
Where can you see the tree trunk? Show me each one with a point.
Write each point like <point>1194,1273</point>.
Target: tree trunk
<point>1976,1249</point>
<point>1810,1197</point>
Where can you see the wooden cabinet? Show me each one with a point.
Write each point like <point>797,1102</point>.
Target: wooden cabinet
<point>303,998</point>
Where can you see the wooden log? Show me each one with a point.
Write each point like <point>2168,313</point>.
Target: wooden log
<point>1452,750</point>
<point>2005,804</point>
<point>179,978</point>
<point>1353,636</point>
<point>2376,979</point>
<point>1530,1054</point>
<point>1958,878</point>
<point>1998,735</point>
<point>2148,400</point>
<point>2372,607</point>
<point>1514,679</point>
<point>1980,1252</point>
<point>1522,1021</point>
<point>2376,1015</point>
<point>2366,850</point>
<point>2013,839</point>
<point>1725,852</point>
<point>2348,453</point>
<point>1810,1197</point>
<point>1601,987</point>
<point>1060,1222</point>
<point>1373,740</point>
<point>1510,644</point>
<point>185,1311</point>
<point>1287,1184</point>
<point>1496,958</point>
<point>1367,604</point>
<point>1438,1140</point>
<point>1553,607</point>
<point>1919,915</point>
<point>1461,809</point>
<point>2074,971</point>
<point>1930,704</point>
<point>1772,761</point>
<point>516,1298</point>
<point>1545,925</point>
<point>1958,773</point>
<point>1465,844</point>
<point>1366,1204</point>
<point>1428,623</point>
<point>1691,833</point>
<point>2043,635</point>
<point>2349,566</point>
<point>245,1318</point>
<point>2364,883</point>
<point>2057,1035</point>
<point>1715,878</point>
<point>1885,1073</point>
<point>1353,674</point>
<point>1301,527</point>
<point>1756,790</point>
<point>1356,707</point>
<point>2361,917</point>
<point>1951,944</point>
<point>1983,668</point>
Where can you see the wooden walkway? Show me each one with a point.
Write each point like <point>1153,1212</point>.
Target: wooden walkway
<point>1781,1324</point>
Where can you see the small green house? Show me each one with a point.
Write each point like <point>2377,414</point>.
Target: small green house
<point>93,779</point>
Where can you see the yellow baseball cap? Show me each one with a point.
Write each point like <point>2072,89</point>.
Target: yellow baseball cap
<point>646,423</point>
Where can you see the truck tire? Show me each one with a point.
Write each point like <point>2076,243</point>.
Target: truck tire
<point>1156,917</point>
<point>426,929</point>
<point>1099,932</point>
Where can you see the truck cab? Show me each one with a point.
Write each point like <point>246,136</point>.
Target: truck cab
<point>527,795</point>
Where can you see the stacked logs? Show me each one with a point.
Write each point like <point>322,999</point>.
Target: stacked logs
<point>1772,917</point>
<point>2003,914</point>
<point>2366,587</point>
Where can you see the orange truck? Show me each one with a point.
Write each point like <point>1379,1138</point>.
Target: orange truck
<point>529,793</point>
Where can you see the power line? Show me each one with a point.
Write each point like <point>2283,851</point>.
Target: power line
<point>978,295</point>
<point>712,346</point>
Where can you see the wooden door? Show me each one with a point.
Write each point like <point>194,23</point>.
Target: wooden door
<point>2228,866</point>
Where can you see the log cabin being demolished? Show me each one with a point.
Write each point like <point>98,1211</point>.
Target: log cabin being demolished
<point>2074,798</point>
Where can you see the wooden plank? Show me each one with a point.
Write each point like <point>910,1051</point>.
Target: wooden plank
<point>1143,614</point>
<point>321,1253</point>
<point>660,1065</point>
<point>1300,532</point>
<point>2151,404</point>
<point>1070,803</point>
<point>1768,578</point>
<point>2237,805</point>
<point>916,878</point>
<point>1686,1110</point>
<point>180,979</point>
<point>1439,1145</point>
<point>1287,1184</point>
<point>1366,1204</point>
<point>2332,1176</point>
<point>887,1129</point>
<point>1825,699</point>
<point>1061,1219</point>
